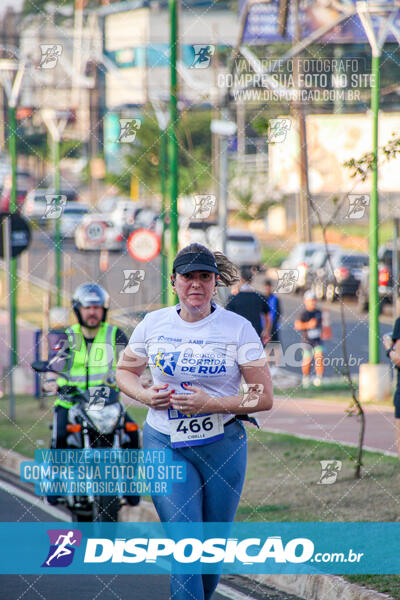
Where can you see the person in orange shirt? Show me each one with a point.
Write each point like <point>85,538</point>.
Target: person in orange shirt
<point>309,324</point>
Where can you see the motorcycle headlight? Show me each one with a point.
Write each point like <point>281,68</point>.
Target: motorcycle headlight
<point>106,419</point>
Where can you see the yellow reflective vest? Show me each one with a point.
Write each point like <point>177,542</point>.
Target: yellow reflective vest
<point>91,369</point>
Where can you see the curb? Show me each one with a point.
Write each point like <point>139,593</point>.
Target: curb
<point>309,587</point>
<point>320,587</point>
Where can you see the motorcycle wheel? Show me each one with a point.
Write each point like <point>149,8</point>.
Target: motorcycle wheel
<point>105,509</point>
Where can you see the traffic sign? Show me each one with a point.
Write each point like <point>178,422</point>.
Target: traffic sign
<point>143,245</point>
<point>96,232</point>
<point>20,234</point>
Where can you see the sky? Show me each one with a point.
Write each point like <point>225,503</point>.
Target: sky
<point>17,4</point>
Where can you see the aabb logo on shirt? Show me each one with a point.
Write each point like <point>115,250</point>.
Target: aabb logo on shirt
<point>166,361</point>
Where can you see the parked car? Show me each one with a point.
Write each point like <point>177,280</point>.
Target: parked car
<point>71,217</point>
<point>316,265</point>
<point>243,248</point>
<point>97,231</point>
<point>345,277</point>
<point>25,181</point>
<point>107,204</point>
<point>4,168</point>
<point>147,218</point>
<point>191,232</point>
<point>124,215</point>
<point>34,207</point>
<point>299,260</point>
<point>385,279</point>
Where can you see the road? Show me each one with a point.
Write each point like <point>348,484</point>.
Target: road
<point>18,503</point>
<point>81,266</point>
<point>85,267</point>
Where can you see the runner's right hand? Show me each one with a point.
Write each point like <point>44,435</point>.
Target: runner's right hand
<point>156,396</point>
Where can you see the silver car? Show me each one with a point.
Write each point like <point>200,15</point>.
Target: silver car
<point>97,232</point>
<point>243,248</point>
<point>71,217</point>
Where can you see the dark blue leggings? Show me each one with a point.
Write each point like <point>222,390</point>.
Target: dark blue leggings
<point>211,492</point>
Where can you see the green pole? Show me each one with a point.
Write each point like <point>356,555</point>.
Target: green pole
<point>164,255</point>
<point>173,145</point>
<point>57,232</point>
<point>373,222</point>
<point>12,145</point>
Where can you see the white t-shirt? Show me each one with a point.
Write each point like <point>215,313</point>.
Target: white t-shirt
<point>206,353</point>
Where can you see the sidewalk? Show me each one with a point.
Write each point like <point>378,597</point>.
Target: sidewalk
<point>328,421</point>
<point>26,344</point>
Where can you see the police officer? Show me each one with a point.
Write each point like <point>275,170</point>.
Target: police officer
<point>88,354</point>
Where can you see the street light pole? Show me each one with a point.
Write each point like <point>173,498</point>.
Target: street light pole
<point>12,145</point>
<point>12,91</point>
<point>373,221</point>
<point>173,143</point>
<point>57,233</point>
<point>55,125</point>
<point>384,13</point>
<point>164,254</point>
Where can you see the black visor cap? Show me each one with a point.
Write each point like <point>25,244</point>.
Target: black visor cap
<point>195,261</point>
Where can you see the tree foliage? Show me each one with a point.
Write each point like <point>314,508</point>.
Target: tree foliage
<point>142,158</point>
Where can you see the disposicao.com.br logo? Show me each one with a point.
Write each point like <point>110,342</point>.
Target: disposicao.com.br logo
<point>193,550</point>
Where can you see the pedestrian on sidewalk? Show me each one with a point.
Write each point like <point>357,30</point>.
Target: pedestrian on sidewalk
<point>195,408</point>
<point>275,311</point>
<point>310,325</point>
<point>250,304</point>
<point>392,345</point>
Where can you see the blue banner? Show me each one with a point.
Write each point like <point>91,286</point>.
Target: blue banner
<point>262,24</point>
<point>102,472</point>
<point>151,548</point>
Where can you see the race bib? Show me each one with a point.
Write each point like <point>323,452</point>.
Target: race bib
<point>194,430</point>
<point>313,334</point>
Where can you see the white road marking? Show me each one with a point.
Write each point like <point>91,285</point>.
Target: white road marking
<point>228,592</point>
<point>37,502</point>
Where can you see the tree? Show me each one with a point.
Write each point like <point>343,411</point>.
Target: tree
<point>143,155</point>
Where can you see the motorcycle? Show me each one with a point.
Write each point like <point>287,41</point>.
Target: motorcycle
<point>96,420</point>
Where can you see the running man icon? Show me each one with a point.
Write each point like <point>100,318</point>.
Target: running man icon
<point>63,543</point>
<point>62,549</point>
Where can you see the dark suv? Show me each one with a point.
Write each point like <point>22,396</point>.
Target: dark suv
<point>342,278</point>
<point>385,279</point>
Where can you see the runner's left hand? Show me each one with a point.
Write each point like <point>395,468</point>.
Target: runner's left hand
<point>193,403</point>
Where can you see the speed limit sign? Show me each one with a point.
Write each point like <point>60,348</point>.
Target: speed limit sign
<point>96,232</point>
<point>143,245</point>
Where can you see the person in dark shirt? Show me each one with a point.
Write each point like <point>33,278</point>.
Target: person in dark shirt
<point>250,304</point>
<point>392,346</point>
<point>310,325</point>
<point>275,311</point>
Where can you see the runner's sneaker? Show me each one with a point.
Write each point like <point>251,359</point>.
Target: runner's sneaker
<point>306,381</point>
<point>317,381</point>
